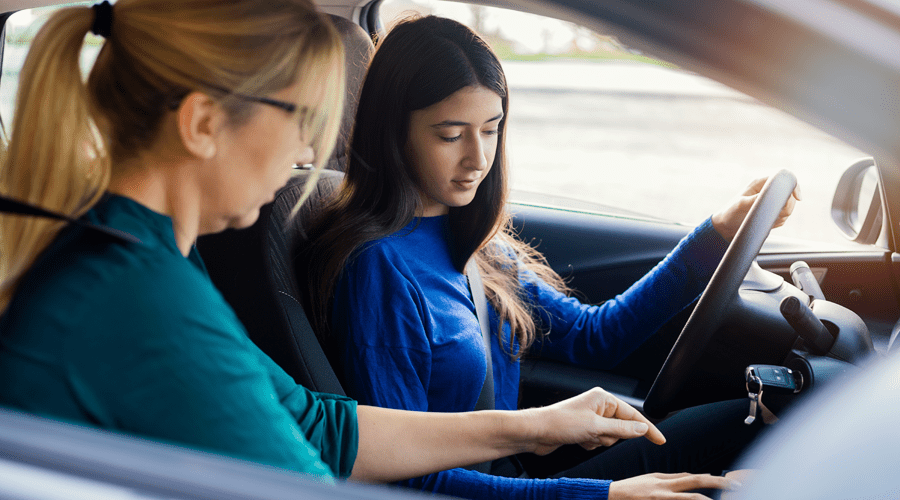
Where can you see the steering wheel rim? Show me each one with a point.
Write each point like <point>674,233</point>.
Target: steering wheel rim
<point>715,302</point>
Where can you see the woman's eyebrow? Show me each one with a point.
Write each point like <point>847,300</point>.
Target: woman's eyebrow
<point>452,123</point>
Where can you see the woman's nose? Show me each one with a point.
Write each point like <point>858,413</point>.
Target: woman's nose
<point>475,155</point>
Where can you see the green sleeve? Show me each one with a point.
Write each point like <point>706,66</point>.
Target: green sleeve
<point>337,436</point>
<point>185,371</point>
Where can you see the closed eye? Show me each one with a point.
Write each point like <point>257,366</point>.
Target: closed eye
<point>451,139</point>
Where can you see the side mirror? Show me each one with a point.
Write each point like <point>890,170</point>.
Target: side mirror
<point>856,208</point>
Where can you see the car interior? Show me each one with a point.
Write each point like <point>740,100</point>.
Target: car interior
<point>819,314</point>
<point>700,356</point>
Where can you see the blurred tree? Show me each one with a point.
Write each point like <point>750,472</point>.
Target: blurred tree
<point>478,17</point>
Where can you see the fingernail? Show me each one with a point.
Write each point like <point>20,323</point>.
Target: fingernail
<point>799,193</point>
<point>640,427</point>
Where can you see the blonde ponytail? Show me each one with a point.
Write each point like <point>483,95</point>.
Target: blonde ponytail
<point>54,158</point>
<point>68,136</point>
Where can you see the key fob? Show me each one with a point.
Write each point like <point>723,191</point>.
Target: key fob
<point>775,379</point>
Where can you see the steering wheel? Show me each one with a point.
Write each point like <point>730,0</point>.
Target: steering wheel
<point>716,300</point>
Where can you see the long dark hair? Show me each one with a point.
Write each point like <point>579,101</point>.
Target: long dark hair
<point>421,62</point>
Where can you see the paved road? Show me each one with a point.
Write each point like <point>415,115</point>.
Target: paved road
<point>663,142</point>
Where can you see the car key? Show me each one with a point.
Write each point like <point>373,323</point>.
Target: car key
<point>777,379</point>
<point>753,394</point>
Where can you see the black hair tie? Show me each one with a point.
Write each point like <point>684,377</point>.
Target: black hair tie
<point>103,17</point>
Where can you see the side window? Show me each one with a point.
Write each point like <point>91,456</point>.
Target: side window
<point>21,27</point>
<point>594,125</point>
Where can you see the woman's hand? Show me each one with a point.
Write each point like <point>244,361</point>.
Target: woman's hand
<point>396,444</point>
<point>594,418</point>
<point>728,221</point>
<point>667,486</point>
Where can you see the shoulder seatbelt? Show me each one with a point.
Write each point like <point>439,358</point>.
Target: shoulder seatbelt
<point>486,398</point>
<point>11,206</point>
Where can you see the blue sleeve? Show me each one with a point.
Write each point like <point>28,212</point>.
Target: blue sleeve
<point>380,322</point>
<point>477,486</point>
<point>603,335</point>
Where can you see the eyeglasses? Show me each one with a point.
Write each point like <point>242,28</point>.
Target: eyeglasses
<point>287,106</point>
<point>304,113</point>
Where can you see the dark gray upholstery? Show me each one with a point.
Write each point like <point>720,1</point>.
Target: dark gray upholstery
<point>284,231</point>
<point>358,49</point>
<point>253,270</point>
<point>253,267</point>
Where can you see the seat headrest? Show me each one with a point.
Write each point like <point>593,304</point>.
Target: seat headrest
<point>358,50</point>
<point>285,233</point>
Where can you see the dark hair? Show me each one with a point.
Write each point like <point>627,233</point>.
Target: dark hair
<point>421,62</point>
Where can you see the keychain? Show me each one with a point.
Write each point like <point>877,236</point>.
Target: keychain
<point>777,379</point>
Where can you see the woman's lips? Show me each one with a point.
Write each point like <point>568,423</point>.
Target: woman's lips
<point>466,183</point>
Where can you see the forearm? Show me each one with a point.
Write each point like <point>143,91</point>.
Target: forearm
<point>395,444</point>
<point>603,335</point>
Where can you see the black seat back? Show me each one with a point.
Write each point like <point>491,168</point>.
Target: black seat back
<point>254,271</point>
<point>253,267</point>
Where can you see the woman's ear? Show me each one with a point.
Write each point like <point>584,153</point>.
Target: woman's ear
<point>199,121</point>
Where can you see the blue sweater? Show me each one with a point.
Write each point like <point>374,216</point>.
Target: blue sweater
<point>405,322</point>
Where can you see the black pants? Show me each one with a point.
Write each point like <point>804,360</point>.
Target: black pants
<point>702,439</point>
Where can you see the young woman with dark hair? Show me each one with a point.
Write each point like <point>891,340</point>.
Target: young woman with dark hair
<point>424,193</point>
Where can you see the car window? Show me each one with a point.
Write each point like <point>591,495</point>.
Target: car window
<point>21,27</point>
<point>593,123</point>
<point>597,126</point>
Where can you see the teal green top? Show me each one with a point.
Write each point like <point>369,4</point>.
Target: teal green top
<point>136,338</point>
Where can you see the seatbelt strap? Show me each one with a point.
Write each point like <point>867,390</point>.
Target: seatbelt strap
<point>476,286</point>
<point>11,206</point>
<point>486,398</point>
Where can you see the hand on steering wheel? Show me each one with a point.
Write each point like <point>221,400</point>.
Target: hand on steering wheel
<point>728,221</point>
<point>714,303</point>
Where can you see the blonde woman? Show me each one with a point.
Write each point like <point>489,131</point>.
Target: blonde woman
<point>181,129</point>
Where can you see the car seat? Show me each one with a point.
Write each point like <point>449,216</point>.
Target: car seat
<point>253,267</point>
